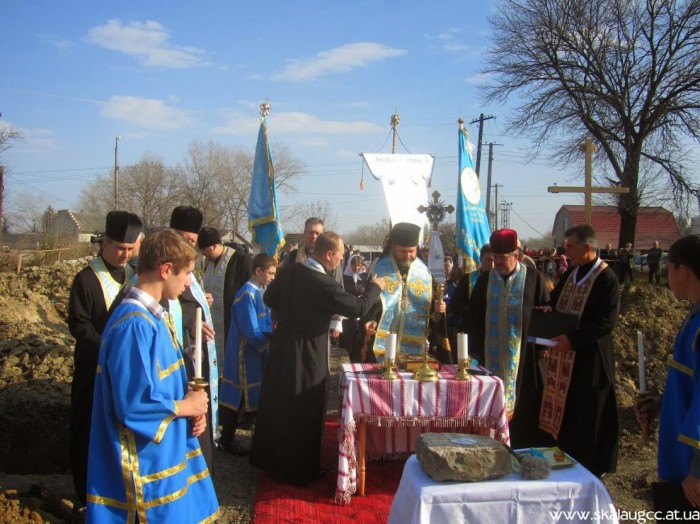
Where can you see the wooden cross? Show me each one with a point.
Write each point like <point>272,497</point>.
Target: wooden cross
<point>588,148</point>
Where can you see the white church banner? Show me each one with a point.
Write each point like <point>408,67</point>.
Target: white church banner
<point>405,182</point>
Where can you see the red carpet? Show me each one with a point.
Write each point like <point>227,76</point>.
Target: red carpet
<point>278,502</point>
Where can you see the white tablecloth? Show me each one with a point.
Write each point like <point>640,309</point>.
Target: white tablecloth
<point>397,411</point>
<point>508,499</point>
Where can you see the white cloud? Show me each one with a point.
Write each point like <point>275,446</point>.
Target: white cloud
<point>450,41</point>
<point>37,139</point>
<point>295,123</point>
<point>55,42</point>
<point>148,41</point>
<point>149,113</point>
<point>479,79</point>
<point>339,60</point>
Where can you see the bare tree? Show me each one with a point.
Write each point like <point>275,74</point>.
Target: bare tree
<point>627,73</point>
<point>373,235</point>
<point>219,179</point>
<point>26,213</point>
<point>296,216</point>
<point>8,137</point>
<point>147,188</point>
<point>151,190</point>
<point>287,166</point>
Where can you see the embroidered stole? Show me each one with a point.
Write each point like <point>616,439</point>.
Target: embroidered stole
<point>560,364</point>
<point>214,280</point>
<point>110,287</point>
<point>504,329</point>
<point>405,308</point>
<point>213,377</point>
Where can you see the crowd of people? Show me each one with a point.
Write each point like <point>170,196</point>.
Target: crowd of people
<point>168,365</point>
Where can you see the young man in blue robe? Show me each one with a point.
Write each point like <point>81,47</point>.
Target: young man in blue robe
<point>679,426</point>
<point>247,346</point>
<point>145,463</point>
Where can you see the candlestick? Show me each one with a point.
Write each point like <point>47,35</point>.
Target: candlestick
<point>198,344</point>
<point>390,347</point>
<point>462,346</point>
<point>642,368</point>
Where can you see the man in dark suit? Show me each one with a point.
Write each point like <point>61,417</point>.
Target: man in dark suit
<point>292,409</point>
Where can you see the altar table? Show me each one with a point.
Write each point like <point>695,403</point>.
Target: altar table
<point>382,418</point>
<point>567,495</point>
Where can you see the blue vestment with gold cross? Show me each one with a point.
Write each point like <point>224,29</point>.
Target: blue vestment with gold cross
<point>144,462</point>
<point>405,307</point>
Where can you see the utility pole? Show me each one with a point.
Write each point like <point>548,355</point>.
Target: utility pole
<point>116,173</point>
<point>481,136</point>
<point>505,214</point>
<point>495,215</point>
<point>488,179</point>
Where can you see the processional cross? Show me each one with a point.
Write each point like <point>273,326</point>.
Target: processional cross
<point>436,210</point>
<point>588,148</point>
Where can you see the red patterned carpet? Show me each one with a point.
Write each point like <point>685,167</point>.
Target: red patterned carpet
<point>278,502</point>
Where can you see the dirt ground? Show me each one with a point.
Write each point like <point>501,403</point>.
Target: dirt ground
<point>35,374</point>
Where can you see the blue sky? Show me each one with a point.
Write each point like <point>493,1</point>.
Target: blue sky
<point>160,75</point>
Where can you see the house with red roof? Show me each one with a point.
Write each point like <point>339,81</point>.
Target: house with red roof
<point>653,223</point>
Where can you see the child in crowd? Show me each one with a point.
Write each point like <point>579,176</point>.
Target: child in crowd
<point>246,352</point>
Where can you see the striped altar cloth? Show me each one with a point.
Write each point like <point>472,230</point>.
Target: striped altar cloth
<point>397,411</point>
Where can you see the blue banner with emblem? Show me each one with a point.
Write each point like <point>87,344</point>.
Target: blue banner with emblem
<point>472,224</point>
<point>263,214</point>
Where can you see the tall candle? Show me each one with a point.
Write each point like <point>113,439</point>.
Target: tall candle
<point>198,344</point>
<point>390,349</point>
<point>462,346</point>
<point>642,369</point>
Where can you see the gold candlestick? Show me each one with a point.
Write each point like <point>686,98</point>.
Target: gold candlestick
<point>462,370</point>
<point>389,370</point>
<point>198,384</point>
<point>426,373</point>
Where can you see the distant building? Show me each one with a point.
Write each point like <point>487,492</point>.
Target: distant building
<point>76,226</point>
<point>653,223</point>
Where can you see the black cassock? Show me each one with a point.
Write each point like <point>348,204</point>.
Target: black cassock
<point>289,424</point>
<point>589,430</point>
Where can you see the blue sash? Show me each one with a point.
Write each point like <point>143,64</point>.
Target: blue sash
<point>405,307</point>
<point>504,328</point>
<point>213,377</point>
<point>214,277</point>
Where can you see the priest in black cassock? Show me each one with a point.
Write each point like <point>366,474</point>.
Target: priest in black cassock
<point>289,424</point>
<point>585,423</point>
<point>94,288</point>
